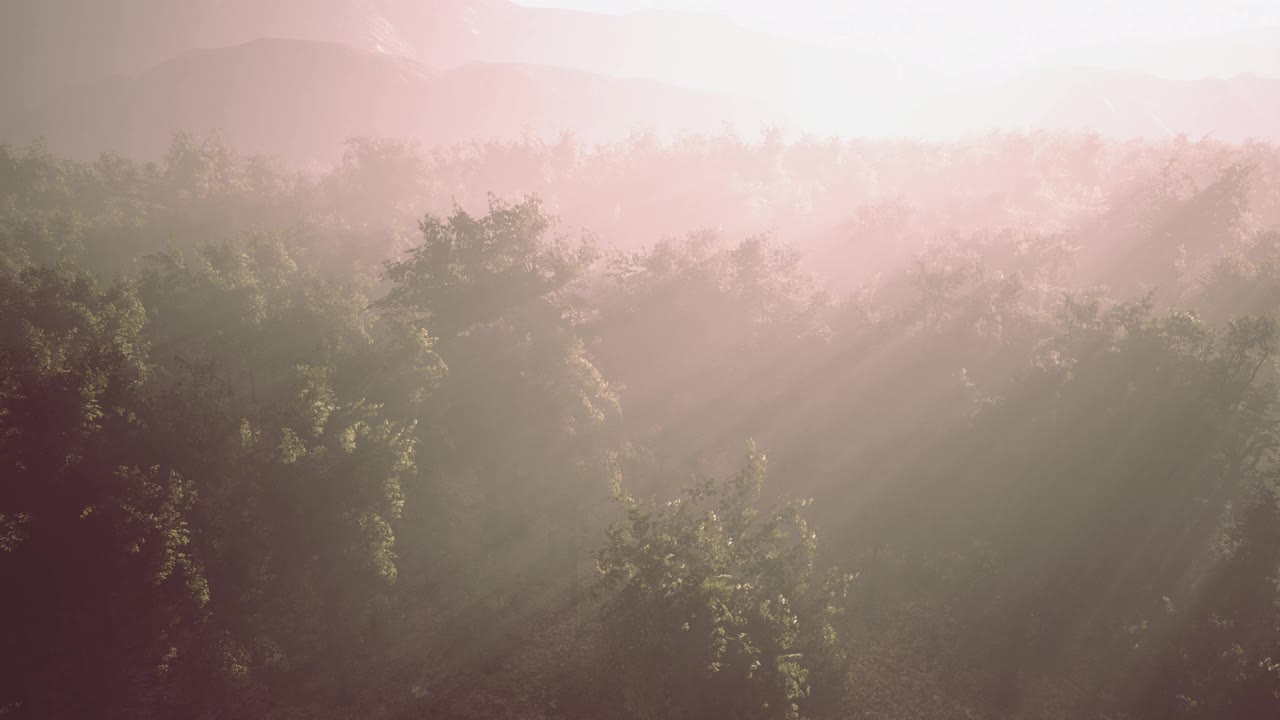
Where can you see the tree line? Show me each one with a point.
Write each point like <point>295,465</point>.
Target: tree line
<point>285,445</point>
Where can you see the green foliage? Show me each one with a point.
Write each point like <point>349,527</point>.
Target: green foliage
<point>97,528</point>
<point>248,478</point>
<point>716,606</point>
<point>470,271</point>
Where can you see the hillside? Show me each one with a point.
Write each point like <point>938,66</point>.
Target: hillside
<point>75,41</point>
<point>303,99</point>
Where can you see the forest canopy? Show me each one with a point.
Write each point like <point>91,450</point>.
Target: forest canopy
<point>715,427</point>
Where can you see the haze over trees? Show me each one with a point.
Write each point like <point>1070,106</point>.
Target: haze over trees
<point>362,416</point>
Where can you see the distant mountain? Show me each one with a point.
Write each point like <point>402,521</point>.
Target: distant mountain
<point>1248,52</point>
<point>49,45</point>
<point>141,66</point>
<point>302,99</point>
<point>1116,104</point>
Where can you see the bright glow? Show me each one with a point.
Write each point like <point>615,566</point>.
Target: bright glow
<point>925,67</point>
<point>982,37</point>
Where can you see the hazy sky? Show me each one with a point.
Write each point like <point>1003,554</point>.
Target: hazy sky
<point>972,33</point>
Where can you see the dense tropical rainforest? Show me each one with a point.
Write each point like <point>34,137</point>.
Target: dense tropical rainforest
<point>707,428</point>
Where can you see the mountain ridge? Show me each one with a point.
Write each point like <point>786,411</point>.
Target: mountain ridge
<point>302,99</point>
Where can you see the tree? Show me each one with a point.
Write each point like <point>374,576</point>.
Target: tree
<point>522,420</point>
<point>104,588</point>
<point>715,607</point>
<point>275,408</point>
<point>470,271</point>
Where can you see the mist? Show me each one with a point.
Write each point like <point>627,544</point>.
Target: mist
<point>564,360</point>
